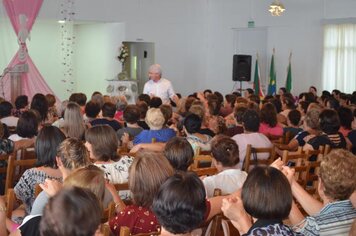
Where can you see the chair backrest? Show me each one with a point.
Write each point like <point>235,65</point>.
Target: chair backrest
<point>314,155</point>
<point>296,157</point>
<point>327,149</point>
<point>38,190</point>
<point>122,186</point>
<point>252,152</point>
<point>105,230</point>
<point>12,173</point>
<point>202,165</point>
<point>3,160</point>
<point>202,161</point>
<point>312,178</point>
<point>205,171</point>
<point>10,202</point>
<point>125,231</point>
<point>28,153</point>
<point>108,212</point>
<point>219,225</point>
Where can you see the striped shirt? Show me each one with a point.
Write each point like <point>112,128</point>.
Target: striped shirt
<point>334,219</point>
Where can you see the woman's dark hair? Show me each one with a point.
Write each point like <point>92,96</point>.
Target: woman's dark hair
<point>167,112</point>
<point>177,211</point>
<point>92,109</point>
<point>304,106</point>
<point>325,93</point>
<point>189,103</point>
<point>225,150</point>
<point>47,142</point>
<point>51,100</point>
<point>40,104</point>
<point>346,117</point>
<point>27,125</point>
<point>289,102</point>
<point>284,90</point>
<point>214,104</point>
<point>329,121</point>
<point>309,97</point>
<point>143,107</point>
<point>266,194</point>
<point>230,98</point>
<point>144,98</point>
<point>250,91</point>
<point>21,102</point>
<point>131,114</point>
<point>179,153</point>
<point>155,102</point>
<point>269,114</point>
<point>192,123</point>
<point>294,117</point>
<point>72,217</point>
<point>238,113</point>
<point>104,142</point>
<point>108,110</point>
<point>251,120</point>
<point>276,102</point>
<point>207,91</point>
<point>5,109</point>
<point>219,96</point>
<point>255,98</point>
<point>333,103</point>
<point>79,98</point>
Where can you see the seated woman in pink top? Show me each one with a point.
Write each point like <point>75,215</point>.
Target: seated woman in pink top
<point>269,125</point>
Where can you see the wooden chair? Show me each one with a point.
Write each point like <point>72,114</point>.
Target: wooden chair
<point>205,171</point>
<point>10,202</point>
<point>38,190</point>
<point>108,213</point>
<point>125,231</point>
<point>202,160</point>
<point>327,149</point>
<point>28,153</point>
<point>122,186</point>
<point>219,225</point>
<point>105,230</point>
<point>311,179</point>
<point>3,162</point>
<point>317,153</point>
<point>296,157</point>
<point>202,164</point>
<point>12,175</point>
<point>251,151</point>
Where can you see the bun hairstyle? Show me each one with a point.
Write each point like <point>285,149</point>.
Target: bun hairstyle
<point>225,150</point>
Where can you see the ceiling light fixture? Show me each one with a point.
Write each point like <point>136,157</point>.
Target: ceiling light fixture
<point>276,8</point>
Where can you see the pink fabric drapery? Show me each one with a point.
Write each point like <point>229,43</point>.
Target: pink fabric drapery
<point>22,14</point>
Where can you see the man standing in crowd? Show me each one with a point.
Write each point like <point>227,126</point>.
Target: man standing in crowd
<point>158,86</point>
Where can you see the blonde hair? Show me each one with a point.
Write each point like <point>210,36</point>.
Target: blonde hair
<point>198,110</point>
<point>148,172</point>
<point>90,177</point>
<point>73,121</point>
<point>338,174</point>
<point>73,154</point>
<point>155,119</point>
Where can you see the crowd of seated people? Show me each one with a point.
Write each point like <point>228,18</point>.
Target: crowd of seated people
<point>152,147</point>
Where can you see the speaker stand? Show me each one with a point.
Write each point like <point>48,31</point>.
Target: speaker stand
<point>234,88</point>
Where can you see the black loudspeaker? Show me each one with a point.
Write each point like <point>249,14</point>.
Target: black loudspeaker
<point>241,68</point>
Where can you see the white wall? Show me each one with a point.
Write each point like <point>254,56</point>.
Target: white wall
<point>194,40</point>
<point>95,55</point>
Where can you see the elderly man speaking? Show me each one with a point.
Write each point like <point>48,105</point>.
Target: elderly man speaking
<point>158,86</point>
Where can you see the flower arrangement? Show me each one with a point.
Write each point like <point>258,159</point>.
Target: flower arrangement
<point>123,53</point>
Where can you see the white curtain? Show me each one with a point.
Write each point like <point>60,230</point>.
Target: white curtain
<point>339,65</point>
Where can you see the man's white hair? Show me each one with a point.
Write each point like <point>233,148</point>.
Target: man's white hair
<point>156,68</point>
